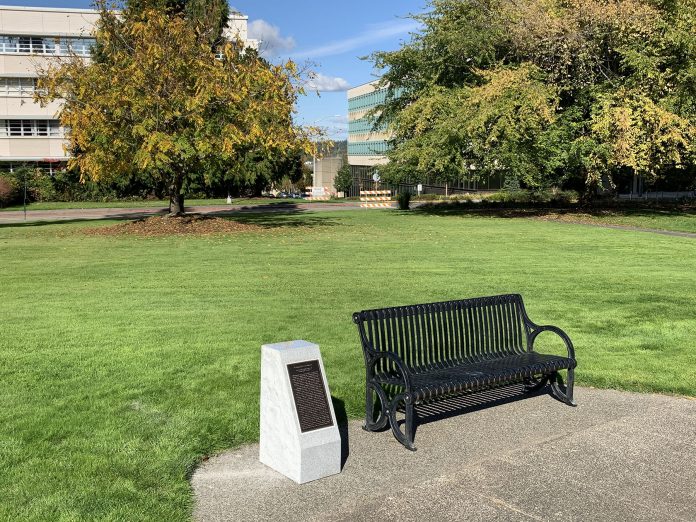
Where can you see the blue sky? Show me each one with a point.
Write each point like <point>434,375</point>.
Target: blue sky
<point>332,36</point>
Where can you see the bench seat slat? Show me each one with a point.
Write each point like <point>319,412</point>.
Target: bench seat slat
<point>515,367</point>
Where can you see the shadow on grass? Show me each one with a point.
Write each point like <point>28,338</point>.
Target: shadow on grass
<point>114,217</point>
<point>285,215</point>
<point>279,215</point>
<point>462,209</point>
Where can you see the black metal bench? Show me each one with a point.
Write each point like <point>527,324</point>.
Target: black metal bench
<point>416,354</point>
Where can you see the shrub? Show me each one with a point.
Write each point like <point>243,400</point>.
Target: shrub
<point>428,197</point>
<point>9,191</point>
<point>511,184</point>
<point>404,200</point>
<point>344,179</point>
<point>41,186</point>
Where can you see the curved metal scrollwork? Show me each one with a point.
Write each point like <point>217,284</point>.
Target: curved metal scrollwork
<point>561,392</point>
<point>370,423</point>
<point>405,438</point>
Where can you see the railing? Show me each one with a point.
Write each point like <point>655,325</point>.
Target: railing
<point>684,194</point>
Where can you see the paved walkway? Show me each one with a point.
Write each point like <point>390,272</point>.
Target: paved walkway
<point>76,214</point>
<point>617,456</point>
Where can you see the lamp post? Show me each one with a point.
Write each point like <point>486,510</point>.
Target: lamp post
<point>25,194</point>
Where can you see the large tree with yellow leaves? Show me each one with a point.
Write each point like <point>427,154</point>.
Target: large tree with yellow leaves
<point>166,98</point>
<point>550,92</point>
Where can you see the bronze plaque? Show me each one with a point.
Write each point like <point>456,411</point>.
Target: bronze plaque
<point>309,393</point>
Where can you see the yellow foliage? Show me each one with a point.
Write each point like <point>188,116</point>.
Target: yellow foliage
<point>158,100</point>
<point>640,134</point>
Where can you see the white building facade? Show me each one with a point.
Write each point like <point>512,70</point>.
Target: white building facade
<point>29,38</point>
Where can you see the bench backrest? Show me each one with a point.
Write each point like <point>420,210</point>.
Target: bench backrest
<point>443,334</point>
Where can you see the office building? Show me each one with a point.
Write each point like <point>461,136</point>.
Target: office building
<point>367,145</point>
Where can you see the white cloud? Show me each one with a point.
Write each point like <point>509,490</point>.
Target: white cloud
<point>375,33</point>
<point>272,43</point>
<point>341,119</point>
<point>322,83</point>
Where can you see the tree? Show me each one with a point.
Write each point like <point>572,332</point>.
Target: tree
<point>166,99</point>
<point>497,126</point>
<point>548,91</point>
<point>344,179</point>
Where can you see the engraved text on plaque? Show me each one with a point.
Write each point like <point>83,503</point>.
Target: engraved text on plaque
<point>310,395</point>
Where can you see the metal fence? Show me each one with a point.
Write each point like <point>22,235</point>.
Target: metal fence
<point>684,194</point>
<point>363,180</point>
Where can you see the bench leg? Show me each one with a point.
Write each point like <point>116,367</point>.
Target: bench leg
<point>371,424</point>
<point>410,423</point>
<point>405,438</point>
<point>567,394</point>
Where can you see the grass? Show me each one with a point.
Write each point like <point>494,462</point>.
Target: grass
<point>63,205</point>
<point>125,360</point>
<point>672,219</point>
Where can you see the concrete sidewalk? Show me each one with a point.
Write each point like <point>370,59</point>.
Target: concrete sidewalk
<point>86,214</point>
<point>617,456</point>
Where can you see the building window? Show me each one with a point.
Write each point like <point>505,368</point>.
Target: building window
<point>368,148</point>
<point>30,129</point>
<point>46,45</point>
<point>79,46</point>
<point>48,168</point>
<point>17,87</point>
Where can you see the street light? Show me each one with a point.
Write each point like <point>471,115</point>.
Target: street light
<point>25,194</point>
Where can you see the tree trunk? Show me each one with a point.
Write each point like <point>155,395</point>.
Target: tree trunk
<point>176,198</point>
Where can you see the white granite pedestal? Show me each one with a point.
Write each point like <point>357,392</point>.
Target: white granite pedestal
<point>304,445</point>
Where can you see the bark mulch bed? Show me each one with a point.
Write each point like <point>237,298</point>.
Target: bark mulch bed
<point>167,226</point>
<point>582,218</point>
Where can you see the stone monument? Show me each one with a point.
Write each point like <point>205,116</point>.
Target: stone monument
<point>299,434</point>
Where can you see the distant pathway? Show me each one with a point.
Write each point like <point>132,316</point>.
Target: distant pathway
<point>86,214</point>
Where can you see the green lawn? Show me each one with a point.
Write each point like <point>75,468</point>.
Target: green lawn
<point>677,219</point>
<point>124,360</point>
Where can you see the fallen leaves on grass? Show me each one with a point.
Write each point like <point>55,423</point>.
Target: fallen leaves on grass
<point>167,226</point>
<point>597,217</point>
<point>576,217</point>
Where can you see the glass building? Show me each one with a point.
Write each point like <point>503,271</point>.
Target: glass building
<point>367,145</point>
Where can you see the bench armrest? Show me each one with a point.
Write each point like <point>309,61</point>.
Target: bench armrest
<point>372,356</point>
<point>547,328</point>
<point>375,357</point>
